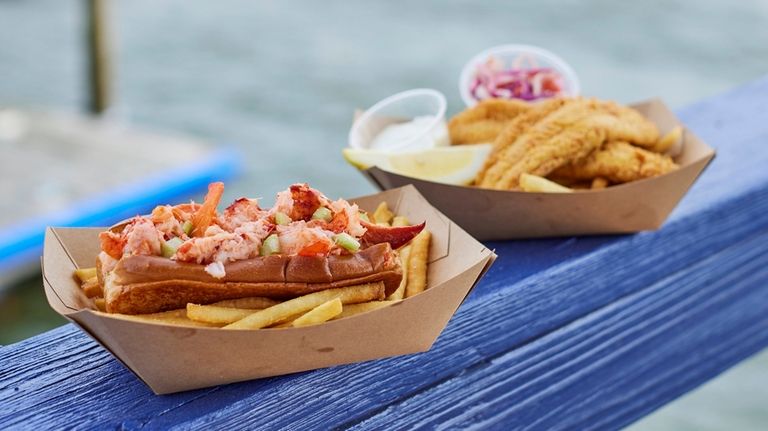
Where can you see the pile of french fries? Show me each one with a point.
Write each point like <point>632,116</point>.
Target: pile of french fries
<point>310,309</point>
<point>89,282</point>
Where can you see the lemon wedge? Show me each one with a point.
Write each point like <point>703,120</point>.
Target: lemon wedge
<point>451,165</point>
<point>362,158</point>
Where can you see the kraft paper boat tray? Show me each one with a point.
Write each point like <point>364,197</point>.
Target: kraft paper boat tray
<point>632,207</point>
<point>175,358</point>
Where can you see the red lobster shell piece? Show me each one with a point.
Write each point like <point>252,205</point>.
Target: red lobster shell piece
<point>396,236</point>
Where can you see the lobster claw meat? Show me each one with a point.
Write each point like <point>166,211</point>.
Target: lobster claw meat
<point>396,236</point>
<point>305,202</point>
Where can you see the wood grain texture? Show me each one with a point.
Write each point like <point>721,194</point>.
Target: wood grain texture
<point>563,319</point>
<point>616,364</point>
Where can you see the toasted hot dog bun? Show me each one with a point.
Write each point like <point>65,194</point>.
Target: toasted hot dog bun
<point>150,284</point>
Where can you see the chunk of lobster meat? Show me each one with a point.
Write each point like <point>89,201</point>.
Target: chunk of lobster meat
<point>166,222</point>
<point>203,249</point>
<point>184,212</point>
<point>143,238</point>
<point>245,244</point>
<point>241,211</point>
<point>138,237</point>
<point>112,243</point>
<point>299,202</point>
<point>256,231</point>
<point>216,270</point>
<point>346,218</point>
<point>206,214</point>
<point>317,248</point>
<point>305,239</point>
<point>219,245</point>
<point>338,223</point>
<point>396,236</point>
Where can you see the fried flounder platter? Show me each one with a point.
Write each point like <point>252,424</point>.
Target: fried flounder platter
<point>193,254</point>
<point>558,133</point>
<point>482,123</point>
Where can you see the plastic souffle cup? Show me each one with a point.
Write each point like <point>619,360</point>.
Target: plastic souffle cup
<point>411,120</point>
<point>522,57</point>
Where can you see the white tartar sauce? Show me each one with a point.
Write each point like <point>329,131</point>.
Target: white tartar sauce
<point>412,135</point>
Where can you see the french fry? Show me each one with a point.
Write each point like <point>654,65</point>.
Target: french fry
<point>173,317</point>
<point>535,183</point>
<point>216,314</point>
<point>92,288</point>
<point>253,303</point>
<point>400,221</point>
<point>417,264</point>
<point>599,183</point>
<point>85,274</point>
<point>100,304</point>
<point>322,313</point>
<point>353,309</point>
<point>348,295</point>
<point>405,253</point>
<point>382,215</point>
<point>668,141</point>
<point>287,322</point>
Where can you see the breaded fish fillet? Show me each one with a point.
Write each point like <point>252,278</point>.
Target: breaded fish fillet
<point>619,162</point>
<point>483,122</point>
<point>581,137</point>
<point>555,120</point>
<point>631,127</point>
<point>512,131</point>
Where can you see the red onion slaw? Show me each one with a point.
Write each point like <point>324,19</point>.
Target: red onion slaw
<point>523,80</point>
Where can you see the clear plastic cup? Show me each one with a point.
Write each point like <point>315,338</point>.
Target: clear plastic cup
<point>526,56</point>
<point>424,108</point>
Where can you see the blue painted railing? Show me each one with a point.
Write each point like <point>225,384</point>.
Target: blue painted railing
<point>22,243</point>
<point>572,333</point>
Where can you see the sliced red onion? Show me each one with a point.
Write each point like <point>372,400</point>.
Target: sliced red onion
<point>492,80</point>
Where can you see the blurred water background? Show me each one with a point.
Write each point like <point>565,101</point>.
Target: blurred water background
<point>279,81</point>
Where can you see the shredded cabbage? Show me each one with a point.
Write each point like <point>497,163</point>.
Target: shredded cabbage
<point>493,80</point>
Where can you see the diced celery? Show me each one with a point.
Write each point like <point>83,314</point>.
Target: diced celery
<point>187,227</point>
<point>168,248</point>
<point>270,246</point>
<point>322,213</point>
<point>347,242</point>
<point>282,219</point>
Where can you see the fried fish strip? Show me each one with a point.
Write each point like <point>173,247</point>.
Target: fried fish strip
<point>509,135</point>
<point>575,142</point>
<point>631,125</point>
<point>669,140</point>
<point>618,162</point>
<point>540,133</point>
<point>599,183</point>
<point>483,122</point>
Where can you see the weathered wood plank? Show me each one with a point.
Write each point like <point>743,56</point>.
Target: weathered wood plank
<point>535,287</point>
<point>616,364</point>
